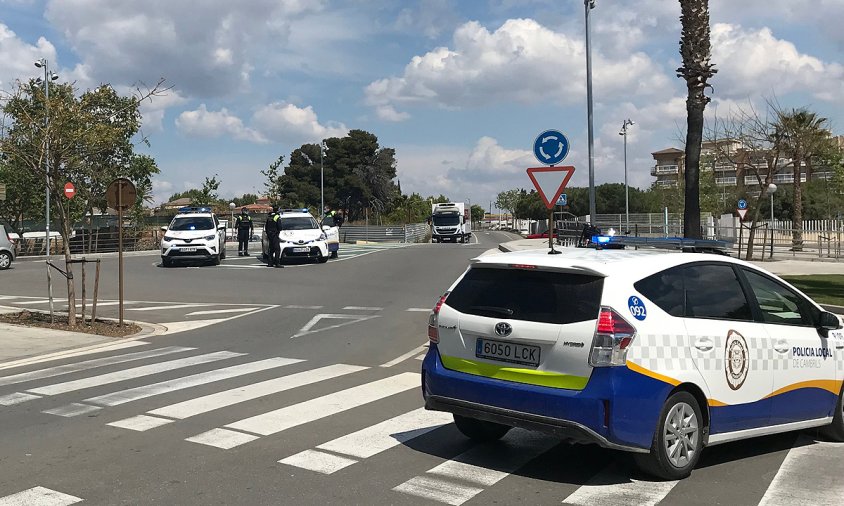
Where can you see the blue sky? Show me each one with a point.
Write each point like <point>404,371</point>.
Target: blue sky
<point>459,88</point>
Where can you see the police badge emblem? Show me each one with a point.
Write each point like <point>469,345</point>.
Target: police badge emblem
<point>736,360</point>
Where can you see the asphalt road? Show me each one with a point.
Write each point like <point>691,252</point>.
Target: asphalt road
<point>301,386</point>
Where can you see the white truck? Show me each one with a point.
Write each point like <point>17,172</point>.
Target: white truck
<point>450,222</point>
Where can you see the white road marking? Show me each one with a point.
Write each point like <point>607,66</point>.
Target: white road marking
<point>17,398</point>
<point>369,441</point>
<point>353,318</point>
<point>39,496</point>
<point>220,311</point>
<point>140,423</point>
<point>61,355</point>
<point>362,308</point>
<point>211,402</point>
<point>142,392</point>
<point>418,310</point>
<point>222,438</point>
<point>162,308</point>
<point>420,357</point>
<point>319,462</point>
<point>405,356</point>
<point>294,306</point>
<point>285,418</point>
<point>73,409</point>
<point>137,372</point>
<point>43,301</point>
<point>471,466</point>
<point>88,364</point>
<point>615,488</point>
<point>799,482</point>
<point>184,326</point>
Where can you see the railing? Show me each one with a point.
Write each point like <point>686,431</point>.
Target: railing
<point>418,232</point>
<point>665,169</point>
<point>666,184</point>
<point>97,241</point>
<point>725,181</point>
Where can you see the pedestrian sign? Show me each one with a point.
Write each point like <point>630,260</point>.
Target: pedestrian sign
<point>551,147</point>
<point>550,182</point>
<point>563,200</point>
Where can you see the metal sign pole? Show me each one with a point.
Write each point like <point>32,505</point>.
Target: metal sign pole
<point>120,248</point>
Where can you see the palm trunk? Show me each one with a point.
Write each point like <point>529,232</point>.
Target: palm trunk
<point>695,105</point>
<point>797,217</point>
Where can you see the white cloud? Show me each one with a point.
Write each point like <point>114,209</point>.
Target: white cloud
<point>521,61</point>
<point>154,108</point>
<point>389,113</point>
<point>754,62</point>
<point>210,124</point>
<point>284,122</point>
<point>17,57</point>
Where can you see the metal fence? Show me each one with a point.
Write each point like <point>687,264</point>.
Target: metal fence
<point>95,241</point>
<point>417,232</point>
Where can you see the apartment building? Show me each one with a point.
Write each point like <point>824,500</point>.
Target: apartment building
<point>734,168</point>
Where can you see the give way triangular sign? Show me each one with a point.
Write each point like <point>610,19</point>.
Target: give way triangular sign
<point>550,182</point>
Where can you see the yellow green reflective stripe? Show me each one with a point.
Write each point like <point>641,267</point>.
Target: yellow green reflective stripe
<point>526,376</point>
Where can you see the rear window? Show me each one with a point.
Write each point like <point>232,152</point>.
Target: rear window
<point>539,296</point>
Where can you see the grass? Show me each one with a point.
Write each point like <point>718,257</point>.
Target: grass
<point>823,288</point>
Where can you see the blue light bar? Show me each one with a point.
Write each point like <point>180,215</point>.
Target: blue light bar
<point>183,210</point>
<point>601,239</point>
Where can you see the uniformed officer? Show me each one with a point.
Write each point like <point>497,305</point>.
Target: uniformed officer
<point>245,230</point>
<point>273,229</point>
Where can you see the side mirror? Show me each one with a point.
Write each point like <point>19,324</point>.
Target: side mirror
<point>827,322</point>
<point>164,229</point>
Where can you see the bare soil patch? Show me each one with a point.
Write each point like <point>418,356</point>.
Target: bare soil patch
<point>99,327</point>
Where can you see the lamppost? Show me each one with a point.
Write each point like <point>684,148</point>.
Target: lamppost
<point>627,123</point>
<point>322,149</point>
<point>48,76</point>
<point>589,5</point>
<point>770,190</point>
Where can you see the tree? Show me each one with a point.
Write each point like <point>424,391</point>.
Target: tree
<point>273,185</point>
<point>86,137</point>
<point>245,199</point>
<point>477,213</point>
<point>207,196</point>
<point>697,69</point>
<point>802,135</point>
<point>507,200</point>
<point>530,206</point>
<point>24,195</point>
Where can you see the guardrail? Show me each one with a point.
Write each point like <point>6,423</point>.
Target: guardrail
<point>98,241</point>
<point>417,232</point>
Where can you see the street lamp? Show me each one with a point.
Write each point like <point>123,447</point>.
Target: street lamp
<point>589,5</point>
<point>48,76</point>
<point>770,190</point>
<point>322,149</point>
<point>627,123</point>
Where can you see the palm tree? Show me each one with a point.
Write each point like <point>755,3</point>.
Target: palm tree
<point>697,69</point>
<point>802,135</point>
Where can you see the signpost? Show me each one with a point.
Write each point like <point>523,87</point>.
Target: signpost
<point>69,190</point>
<point>121,195</point>
<point>550,183</point>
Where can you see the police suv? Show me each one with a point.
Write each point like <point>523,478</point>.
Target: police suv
<point>194,234</point>
<point>302,237</point>
<point>659,354</point>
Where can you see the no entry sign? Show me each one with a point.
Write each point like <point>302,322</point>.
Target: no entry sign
<point>69,190</point>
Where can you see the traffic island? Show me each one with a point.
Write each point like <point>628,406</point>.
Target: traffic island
<point>100,327</point>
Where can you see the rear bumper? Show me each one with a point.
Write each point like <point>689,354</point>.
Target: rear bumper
<point>618,409</point>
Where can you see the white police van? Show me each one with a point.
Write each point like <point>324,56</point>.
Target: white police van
<point>302,237</point>
<point>656,353</point>
<point>194,234</point>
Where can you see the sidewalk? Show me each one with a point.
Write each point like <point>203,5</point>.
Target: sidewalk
<point>19,343</point>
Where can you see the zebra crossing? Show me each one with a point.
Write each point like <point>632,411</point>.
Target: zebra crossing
<point>472,472</point>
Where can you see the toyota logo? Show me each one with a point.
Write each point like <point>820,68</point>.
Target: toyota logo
<point>503,329</point>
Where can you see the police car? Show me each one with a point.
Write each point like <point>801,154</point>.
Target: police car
<point>302,237</point>
<point>659,354</point>
<point>194,234</point>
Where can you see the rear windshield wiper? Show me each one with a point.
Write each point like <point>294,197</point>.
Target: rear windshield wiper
<point>493,309</point>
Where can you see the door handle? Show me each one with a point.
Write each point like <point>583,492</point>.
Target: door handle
<point>781,346</point>
<point>704,344</point>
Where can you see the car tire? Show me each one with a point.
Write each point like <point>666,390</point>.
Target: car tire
<point>681,411</point>
<point>5,260</point>
<point>215,260</point>
<point>322,259</point>
<point>480,430</point>
<point>166,262</point>
<point>835,430</point>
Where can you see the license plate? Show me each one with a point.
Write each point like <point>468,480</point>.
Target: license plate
<point>502,351</point>
<point>301,250</point>
<point>187,250</point>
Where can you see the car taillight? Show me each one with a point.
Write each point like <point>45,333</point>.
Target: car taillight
<point>612,339</point>
<point>433,320</point>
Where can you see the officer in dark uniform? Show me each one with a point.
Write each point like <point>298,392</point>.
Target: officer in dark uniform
<point>273,228</point>
<point>245,229</point>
